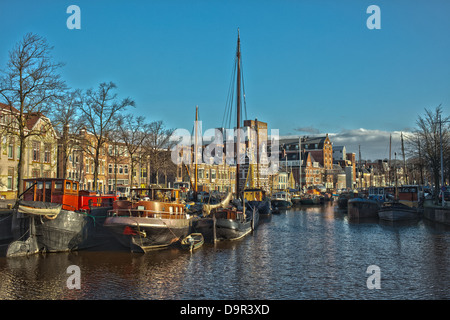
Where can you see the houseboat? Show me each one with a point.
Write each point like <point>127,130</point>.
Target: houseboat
<point>53,215</point>
<point>256,199</point>
<point>281,201</point>
<point>154,219</point>
<point>366,207</point>
<point>407,205</point>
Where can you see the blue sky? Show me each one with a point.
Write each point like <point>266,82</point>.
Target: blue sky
<point>309,66</point>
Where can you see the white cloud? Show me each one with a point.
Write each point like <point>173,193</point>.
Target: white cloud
<point>374,143</point>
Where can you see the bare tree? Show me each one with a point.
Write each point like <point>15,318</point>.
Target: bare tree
<point>425,143</point>
<point>65,119</point>
<point>99,111</point>
<point>132,131</point>
<point>157,145</point>
<point>29,86</point>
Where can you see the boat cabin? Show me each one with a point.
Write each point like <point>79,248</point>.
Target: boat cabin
<point>157,194</point>
<point>254,194</point>
<point>281,195</point>
<point>65,192</point>
<point>410,194</point>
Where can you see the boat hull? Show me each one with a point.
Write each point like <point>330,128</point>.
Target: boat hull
<point>278,205</point>
<point>231,229</point>
<point>67,231</point>
<point>5,224</point>
<point>141,234</point>
<point>362,208</point>
<point>398,212</point>
<point>309,201</point>
<point>263,207</point>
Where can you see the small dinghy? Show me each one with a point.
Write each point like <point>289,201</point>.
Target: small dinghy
<point>192,241</point>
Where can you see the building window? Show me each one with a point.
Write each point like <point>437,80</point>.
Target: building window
<point>36,151</point>
<point>11,149</point>
<point>120,169</point>
<point>47,153</point>
<point>126,169</point>
<point>35,173</point>
<point>110,170</point>
<point>10,181</point>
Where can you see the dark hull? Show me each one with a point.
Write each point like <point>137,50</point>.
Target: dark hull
<point>233,229</point>
<point>229,229</point>
<point>343,203</point>
<point>263,207</point>
<point>398,212</point>
<point>309,201</point>
<point>362,208</point>
<point>5,224</point>
<point>278,205</point>
<point>146,234</point>
<point>205,226</point>
<point>69,231</point>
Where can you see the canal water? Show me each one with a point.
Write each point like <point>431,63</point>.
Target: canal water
<point>304,253</point>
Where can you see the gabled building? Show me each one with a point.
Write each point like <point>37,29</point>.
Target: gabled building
<point>40,155</point>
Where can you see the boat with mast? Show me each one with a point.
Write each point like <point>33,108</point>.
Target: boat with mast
<point>234,222</point>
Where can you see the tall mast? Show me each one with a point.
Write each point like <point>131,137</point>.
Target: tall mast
<point>389,163</point>
<point>238,111</point>
<point>360,171</point>
<point>405,181</point>
<point>300,163</point>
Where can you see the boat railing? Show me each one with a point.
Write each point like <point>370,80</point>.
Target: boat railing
<point>143,213</point>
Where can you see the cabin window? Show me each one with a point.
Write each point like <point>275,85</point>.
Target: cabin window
<point>75,187</point>
<point>40,185</point>
<point>68,185</point>
<point>48,185</point>
<point>58,185</point>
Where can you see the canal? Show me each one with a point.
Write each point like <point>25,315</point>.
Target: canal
<point>304,253</point>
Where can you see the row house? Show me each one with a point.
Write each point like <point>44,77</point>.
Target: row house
<point>39,156</point>
<point>316,163</point>
<point>114,164</point>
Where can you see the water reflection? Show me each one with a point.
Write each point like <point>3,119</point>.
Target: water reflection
<point>311,252</point>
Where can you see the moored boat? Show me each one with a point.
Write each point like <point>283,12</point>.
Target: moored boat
<point>145,225</point>
<point>256,199</point>
<point>366,207</point>
<point>54,216</point>
<point>192,241</point>
<point>408,205</point>
<point>310,199</point>
<point>363,208</point>
<point>280,201</point>
<point>343,199</point>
